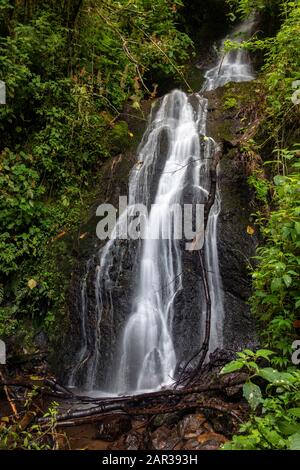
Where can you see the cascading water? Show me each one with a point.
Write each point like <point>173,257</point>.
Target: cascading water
<point>235,65</point>
<point>145,355</point>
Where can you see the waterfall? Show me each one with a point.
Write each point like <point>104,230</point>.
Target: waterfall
<point>173,165</point>
<point>147,357</point>
<point>235,65</point>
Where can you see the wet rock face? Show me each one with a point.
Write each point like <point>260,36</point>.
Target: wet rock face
<point>236,247</point>
<point>113,176</point>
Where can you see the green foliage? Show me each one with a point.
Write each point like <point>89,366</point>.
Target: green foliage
<point>274,399</point>
<point>282,63</point>
<point>14,437</point>
<point>260,185</point>
<point>69,68</point>
<point>274,395</point>
<point>246,359</point>
<point>281,71</point>
<point>276,298</point>
<point>244,8</point>
<point>230,103</point>
<point>276,291</point>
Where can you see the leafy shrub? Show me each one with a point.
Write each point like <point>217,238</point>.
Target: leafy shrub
<point>274,400</point>
<point>230,103</point>
<point>276,298</point>
<point>68,69</point>
<point>260,185</point>
<point>13,435</point>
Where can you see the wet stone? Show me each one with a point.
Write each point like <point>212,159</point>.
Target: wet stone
<point>133,441</point>
<point>111,427</point>
<point>164,438</point>
<point>191,426</point>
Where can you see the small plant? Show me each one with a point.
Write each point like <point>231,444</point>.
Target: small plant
<point>276,297</point>
<point>230,103</point>
<point>15,434</point>
<point>274,400</point>
<point>260,185</point>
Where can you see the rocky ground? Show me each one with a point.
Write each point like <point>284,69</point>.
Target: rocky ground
<point>171,431</point>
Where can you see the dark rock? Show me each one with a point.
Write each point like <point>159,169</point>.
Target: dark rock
<point>221,423</point>
<point>164,438</point>
<point>133,441</point>
<point>41,340</point>
<point>235,392</point>
<point>191,444</point>
<point>211,441</point>
<point>167,419</point>
<point>207,441</point>
<point>235,248</point>
<point>111,427</point>
<point>191,426</point>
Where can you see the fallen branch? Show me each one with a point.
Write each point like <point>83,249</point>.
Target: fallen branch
<point>8,397</point>
<point>77,418</point>
<point>163,401</point>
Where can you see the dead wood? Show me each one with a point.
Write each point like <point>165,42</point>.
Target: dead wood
<point>163,401</point>
<point>8,396</point>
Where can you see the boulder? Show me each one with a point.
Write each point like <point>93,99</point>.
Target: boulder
<point>111,427</point>
<point>191,426</point>
<point>133,441</point>
<point>164,438</point>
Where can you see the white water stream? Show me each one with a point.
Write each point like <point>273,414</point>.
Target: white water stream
<point>146,358</point>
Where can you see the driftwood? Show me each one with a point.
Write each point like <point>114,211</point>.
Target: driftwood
<point>8,395</point>
<point>208,396</point>
<point>152,403</point>
<point>45,386</point>
<point>93,415</point>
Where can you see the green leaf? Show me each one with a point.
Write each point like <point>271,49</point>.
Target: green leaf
<point>276,284</point>
<point>280,266</point>
<point>252,393</point>
<point>274,376</point>
<point>294,412</point>
<point>278,180</point>
<point>253,365</point>
<point>288,428</point>
<point>264,353</point>
<point>232,366</point>
<point>294,441</point>
<point>287,280</point>
<point>249,352</point>
<point>269,374</point>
